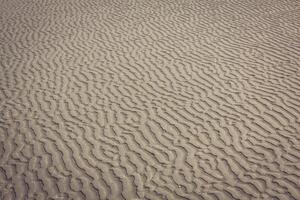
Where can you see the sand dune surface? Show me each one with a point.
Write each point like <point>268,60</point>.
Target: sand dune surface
<point>149,99</point>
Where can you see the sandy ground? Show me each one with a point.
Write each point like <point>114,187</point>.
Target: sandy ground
<point>150,99</point>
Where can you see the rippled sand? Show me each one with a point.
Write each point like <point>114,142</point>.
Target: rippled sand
<point>150,99</point>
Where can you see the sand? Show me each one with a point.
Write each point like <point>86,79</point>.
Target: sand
<point>149,99</point>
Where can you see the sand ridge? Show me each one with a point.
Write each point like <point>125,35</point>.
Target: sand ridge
<point>136,99</point>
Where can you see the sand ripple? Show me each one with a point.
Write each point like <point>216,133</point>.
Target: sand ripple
<point>149,99</point>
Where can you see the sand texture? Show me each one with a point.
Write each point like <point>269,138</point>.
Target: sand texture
<point>150,99</point>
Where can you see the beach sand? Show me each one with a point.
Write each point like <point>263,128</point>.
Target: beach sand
<point>149,99</point>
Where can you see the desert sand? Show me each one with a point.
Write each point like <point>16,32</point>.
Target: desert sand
<point>149,99</point>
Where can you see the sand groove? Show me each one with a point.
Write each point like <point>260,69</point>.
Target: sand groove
<point>141,99</point>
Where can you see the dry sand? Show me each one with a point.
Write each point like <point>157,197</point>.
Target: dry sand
<point>150,99</point>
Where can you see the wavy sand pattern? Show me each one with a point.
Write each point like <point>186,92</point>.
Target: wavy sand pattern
<point>150,99</point>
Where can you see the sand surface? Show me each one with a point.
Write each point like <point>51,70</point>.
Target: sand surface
<point>150,99</point>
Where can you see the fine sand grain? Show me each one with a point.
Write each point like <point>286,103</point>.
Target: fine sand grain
<point>149,99</point>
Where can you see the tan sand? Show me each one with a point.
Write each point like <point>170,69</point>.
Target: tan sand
<point>150,99</point>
